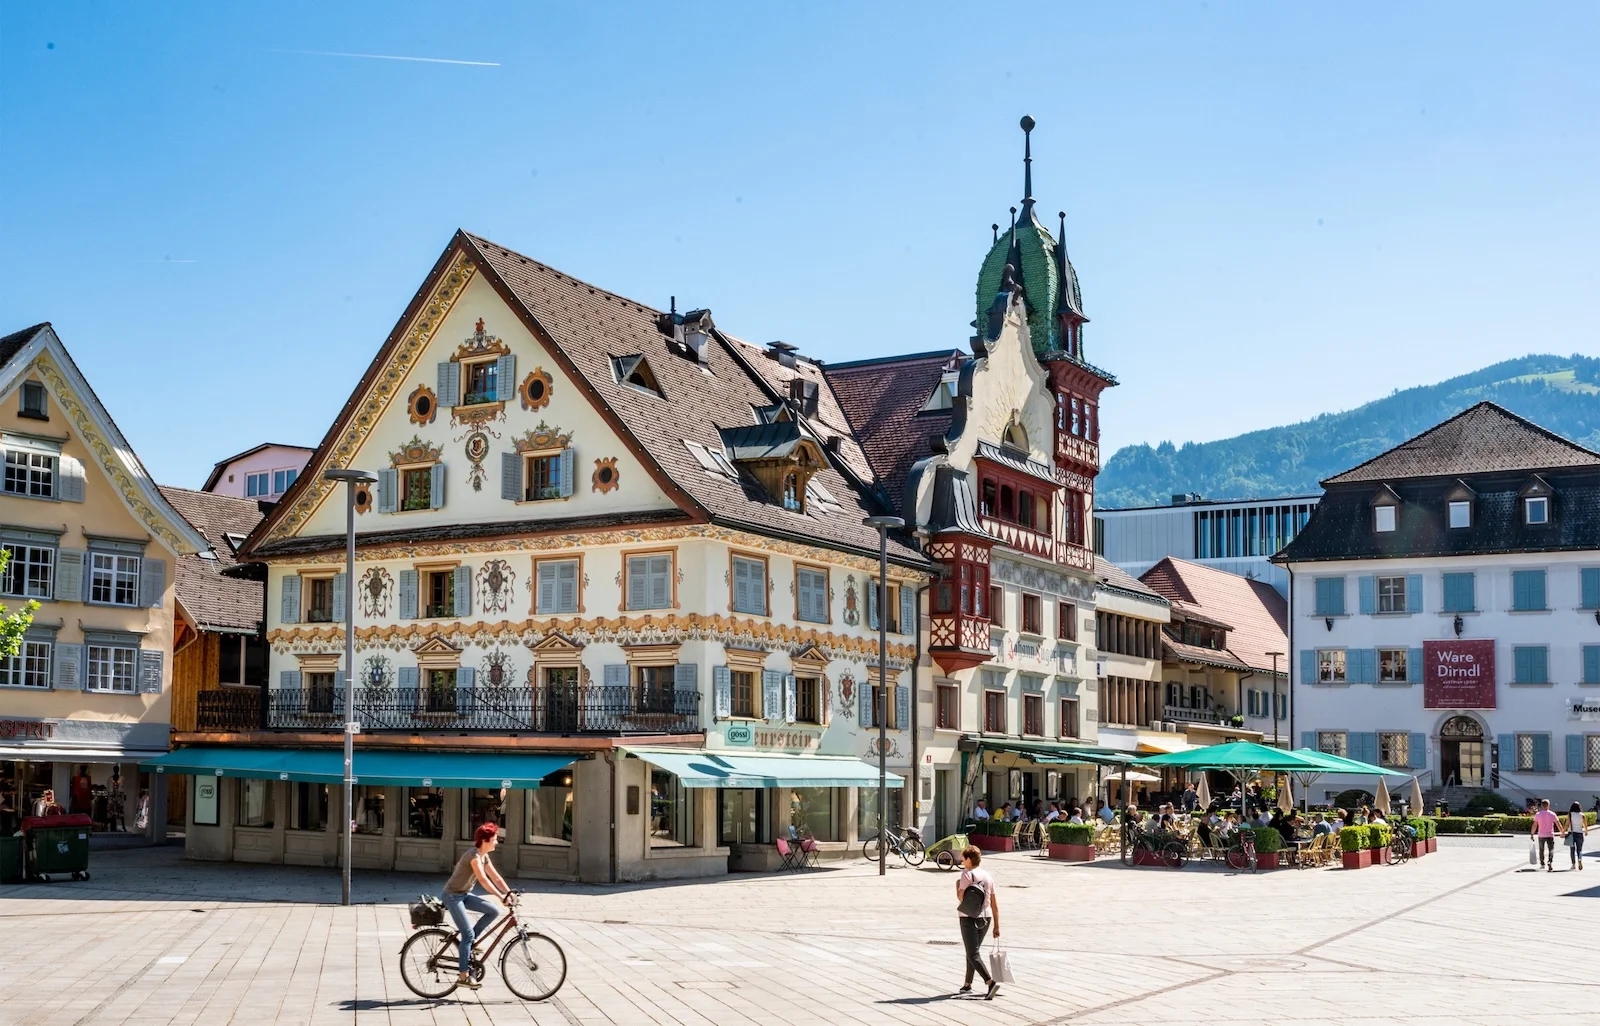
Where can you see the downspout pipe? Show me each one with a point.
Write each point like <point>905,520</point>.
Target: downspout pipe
<point>611,765</point>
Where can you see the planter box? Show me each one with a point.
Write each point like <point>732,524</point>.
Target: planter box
<point>1419,849</point>
<point>1267,859</point>
<point>1433,844</point>
<point>991,842</point>
<point>1357,859</point>
<point>1072,852</point>
<point>1380,856</point>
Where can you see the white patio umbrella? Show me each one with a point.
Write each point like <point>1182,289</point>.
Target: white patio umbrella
<point>1381,801</point>
<point>1203,791</point>
<point>1286,795</point>
<point>1416,797</point>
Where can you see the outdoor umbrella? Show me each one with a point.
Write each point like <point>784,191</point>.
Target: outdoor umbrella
<point>1240,758</point>
<point>1382,799</point>
<point>1325,763</point>
<point>1416,797</point>
<point>1286,796</point>
<point>1203,791</point>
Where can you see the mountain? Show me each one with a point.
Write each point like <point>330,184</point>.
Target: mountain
<point>1561,393</point>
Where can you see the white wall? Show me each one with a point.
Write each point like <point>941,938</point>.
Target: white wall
<point>270,459</point>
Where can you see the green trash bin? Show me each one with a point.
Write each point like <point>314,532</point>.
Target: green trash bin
<point>10,860</point>
<point>60,849</point>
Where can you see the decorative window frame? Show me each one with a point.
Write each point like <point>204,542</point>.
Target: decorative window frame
<point>433,566</point>
<point>556,652</point>
<point>533,592</point>
<point>754,662</point>
<point>827,591</point>
<point>754,556</point>
<point>626,554</point>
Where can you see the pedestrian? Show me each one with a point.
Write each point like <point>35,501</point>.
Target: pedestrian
<point>474,867</point>
<point>1191,798</point>
<point>976,915</point>
<point>1575,828</point>
<point>1543,831</point>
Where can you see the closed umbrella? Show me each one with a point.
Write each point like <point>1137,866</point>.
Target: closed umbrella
<point>1285,796</point>
<point>1382,799</point>
<point>1416,797</point>
<point>1203,791</point>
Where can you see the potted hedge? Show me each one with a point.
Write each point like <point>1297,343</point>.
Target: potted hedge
<point>1268,844</point>
<point>1353,844</point>
<point>1433,834</point>
<point>1071,842</point>
<point>1378,838</point>
<point>993,835</point>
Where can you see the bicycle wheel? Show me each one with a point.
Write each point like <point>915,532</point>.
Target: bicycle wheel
<point>533,966</point>
<point>1175,853</point>
<point>1237,859</point>
<point>946,859</point>
<point>913,852</point>
<point>1400,849</point>
<point>428,963</point>
<point>873,848</point>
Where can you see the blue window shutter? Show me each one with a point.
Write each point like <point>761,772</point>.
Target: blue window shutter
<point>152,582</point>
<point>1574,753</point>
<point>771,694</point>
<point>1368,589</point>
<point>338,690</point>
<point>505,377</point>
<point>68,672</point>
<point>902,707</point>
<point>69,479</point>
<point>1367,658</point>
<point>1413,593</point>
<point>908,609</point>
<point>408,595</point>
<point>69,574</point>
<point>466,684</point>
<point>565,465</point>
<point>722,689</point>
<point>511,476</point>
<point>463,589</point>
<point>1591,664</point>
<point>408,677</point>
<point>339,586</point>
<point>1414,665</point>
<point>1419,753</point>
<point>1308,739</point>
<point>436,491</point>
<point>872,605</point>
<point>789,698</point>
<point>616,675</point>
<point>1308,666</point>
<point>1519,664</point>
<point>1541,753</point>
<point>290,612</point>
<point>1369,746</point>
<point>864,694</point>
<point>1591,587</point>
<point>741,585</point>
<point>449,383</point>
<point>685,681</point>
<point>1541,664</point>
<point>388,490</point>
<point>1508,751</point>
<point>289,680</point>
<point>758,588</point>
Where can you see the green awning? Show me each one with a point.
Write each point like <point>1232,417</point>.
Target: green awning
<point>1328,763</point>
<point>697,767</point>
<point>1059,753</point>
<point>491,770</point>
<point>1240,755</point>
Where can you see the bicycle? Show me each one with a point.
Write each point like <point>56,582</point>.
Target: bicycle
<point>1173,851</point>
<point>1400,845</point>
<point>1243,856</point>
<point>908,846</point>
<point>532,964</point>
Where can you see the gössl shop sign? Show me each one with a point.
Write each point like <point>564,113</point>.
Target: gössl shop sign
<point>743,735</point>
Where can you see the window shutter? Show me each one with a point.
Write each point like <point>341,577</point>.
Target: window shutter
<point>825,699</point>
<point>68,675</point>
<point>567,587</point>
<point>463,590</point>
<point>408,595</point>
<point>69,575</point>
<point>449,383</point>
<point>1574,753</point>
<point>290,613</point>
<point>1541,753</point>
<point>388,490</point>
<point>69,479</point>
<point>1591,664</point>
<point>615,675</point>
<point>638,596</point>
<point>1414,666</point>
<point>741,585</point>
<point>902,707</point>
<point>1308,739</point>
<point>338,690</point>
<point>289,680</point>
<point>872,604</point>
<point>1367,741</point>
<point>1367,587</point>
<point>722,692</point>
<point>409,677</point>
<point>511,476</point>
<point>789,698</point>
<point>548,590</point>
<point>340,583</point>
<point>864,694</point>
<point>1508,751</point>
<point>685,681</point>
<point>564,464</point>
<point>466,683</point>
<point>908,609</point>
<point>758,587</point>
<point>771,694</point>
<point>152,582</point>
<point>1308,665</point>
<point>1591,588</point>
<point>505,377</point>
<point>1419,754</point>
<point>1413,593</point>
<point>436,490</point>
<point>660,582</point>
<point>1369,666</point>
<point>1522,657</point>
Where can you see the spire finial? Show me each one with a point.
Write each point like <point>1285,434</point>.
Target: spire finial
<point>1027,164</point>
<point>996,229</point>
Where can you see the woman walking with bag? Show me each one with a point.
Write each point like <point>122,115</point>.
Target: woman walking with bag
<point>976,904</point>
<point>1575,828</point>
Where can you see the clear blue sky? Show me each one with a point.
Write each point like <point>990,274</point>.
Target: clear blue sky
<point>1275,209</point>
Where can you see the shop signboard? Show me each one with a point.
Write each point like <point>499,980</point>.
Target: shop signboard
<point>205,801</point>
<point>1458,674</point>
<point>1587,709</point>
<point>739,734</point>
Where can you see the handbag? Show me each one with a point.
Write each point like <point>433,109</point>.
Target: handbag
<point>1533,853</point>
<point>973,900</point>
<point>1000,966</point>
<point>1570,840</point>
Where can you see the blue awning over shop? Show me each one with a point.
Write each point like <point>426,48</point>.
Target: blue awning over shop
<point>491,770</point>
<point>697,767</point>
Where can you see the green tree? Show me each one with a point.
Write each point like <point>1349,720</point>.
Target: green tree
<point>13,624</point>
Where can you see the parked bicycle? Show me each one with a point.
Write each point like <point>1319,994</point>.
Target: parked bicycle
<point>1400,844</point>
<point>1243,854</point>
<point>532,964</point>
<point>908,846</point>
<point>1174,851</point>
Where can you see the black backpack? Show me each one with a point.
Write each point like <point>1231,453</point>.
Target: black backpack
<point>427,911</point>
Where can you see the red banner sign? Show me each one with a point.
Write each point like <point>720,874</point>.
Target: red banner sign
<point>1458,675</point>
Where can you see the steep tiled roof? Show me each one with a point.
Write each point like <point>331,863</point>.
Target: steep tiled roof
<point>828,421</point>
<point>883,400</point>
<point>1480,439</point>
<point>1202,655</point>
<point>211,599</point>
<point>1113,576</point>
<point>590,326</point>
<point>1258,614</point>
<point>11,345</point>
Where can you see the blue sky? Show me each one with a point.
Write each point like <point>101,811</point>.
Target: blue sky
<point>1275,210</point>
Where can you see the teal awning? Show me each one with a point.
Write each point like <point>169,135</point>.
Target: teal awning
<point>491,770</point>
<point>1058,753</point>
<point>701,768</point>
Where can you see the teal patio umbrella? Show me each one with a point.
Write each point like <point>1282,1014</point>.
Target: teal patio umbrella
<point>1240,758</point>
<point>1337,764</point>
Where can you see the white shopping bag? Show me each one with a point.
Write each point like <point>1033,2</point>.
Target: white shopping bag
<point>1533,853</point>
<point>1000,966</point>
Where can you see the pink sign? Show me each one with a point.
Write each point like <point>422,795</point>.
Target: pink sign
<point>1458,675</point>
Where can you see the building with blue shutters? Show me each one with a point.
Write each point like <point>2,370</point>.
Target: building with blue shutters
<point>1445,613</point>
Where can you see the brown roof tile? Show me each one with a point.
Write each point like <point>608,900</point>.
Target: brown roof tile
<point>883,400</point>
<point>1258,614</point>
<point>1482,438</point>
<point>211,599</point>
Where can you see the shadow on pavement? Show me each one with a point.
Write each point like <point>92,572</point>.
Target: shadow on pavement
<point>373,1004</point>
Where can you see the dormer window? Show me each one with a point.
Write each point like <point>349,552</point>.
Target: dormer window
<point>635,371</point>
<point>793,494</point>
<point>1536,510</point>
<point>944,395</point>
<point>32,404</point>
<point>1016,436</point>
<point>779,456</point>
<point>1384,518</point>
<point>1460,513</point>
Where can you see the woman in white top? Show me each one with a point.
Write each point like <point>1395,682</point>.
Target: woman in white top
<point>973,926</point>
<point>1575,829</point>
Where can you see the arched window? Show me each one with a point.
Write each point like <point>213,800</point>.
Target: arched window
<point>1016,436</point>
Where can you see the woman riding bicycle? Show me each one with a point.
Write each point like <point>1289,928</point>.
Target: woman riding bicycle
<point>475,867</point>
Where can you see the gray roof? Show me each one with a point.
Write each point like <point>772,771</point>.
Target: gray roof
<point>1480,439</point>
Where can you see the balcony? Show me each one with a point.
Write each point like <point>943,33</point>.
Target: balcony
<point>1183,714</point>
<point>593,709</point>
<point>1019,537</point>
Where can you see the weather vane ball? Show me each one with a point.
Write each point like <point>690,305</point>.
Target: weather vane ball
<point>1027,123</point>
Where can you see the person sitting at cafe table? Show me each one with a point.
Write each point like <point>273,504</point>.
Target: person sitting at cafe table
<point>1319,825</point>
<point>1077,817</point>
<point>1376,818</point>
<point>980,810</point>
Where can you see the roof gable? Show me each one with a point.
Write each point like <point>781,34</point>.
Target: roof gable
<point>1257,615</point>
<point>1485,438</point>
<point>211,598</point>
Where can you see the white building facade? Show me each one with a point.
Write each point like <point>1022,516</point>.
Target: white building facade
<point>1239,537</point>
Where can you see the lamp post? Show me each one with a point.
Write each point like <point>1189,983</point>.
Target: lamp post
<point>884,524</point>
<point>352,480</point>
<point>1274,656</point>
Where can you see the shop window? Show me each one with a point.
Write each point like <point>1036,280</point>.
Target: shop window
<point>480,806</point>
<point>255,804</point>
<point>424,812</point>
<point>740,818</point>
<point>867,811</point>
<point>368,805</point>
<point>947,708</point>
<point>807,700</point>
<point>309,807</point>
<point>811,812</point>
<point>746,696</point>
<point>549,809</point>
<point>671,812</point>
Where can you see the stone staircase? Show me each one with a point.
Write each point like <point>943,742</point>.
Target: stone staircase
<point>1455,795</point>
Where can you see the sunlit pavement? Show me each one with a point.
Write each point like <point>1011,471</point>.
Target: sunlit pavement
<point>1468,935</point>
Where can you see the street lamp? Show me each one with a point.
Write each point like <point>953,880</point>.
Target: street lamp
<point>884,524</point>
<point>353,480</point>
<point>1275,656</point>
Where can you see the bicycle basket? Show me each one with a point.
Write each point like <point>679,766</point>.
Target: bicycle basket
<point>427,911</point>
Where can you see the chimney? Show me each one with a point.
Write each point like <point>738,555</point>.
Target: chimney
<point>803,395</point>
<point>782,352</point>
